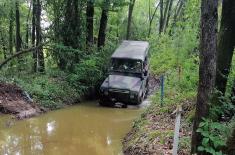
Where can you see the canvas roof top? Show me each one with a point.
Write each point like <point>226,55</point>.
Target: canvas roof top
<point>132,50</point>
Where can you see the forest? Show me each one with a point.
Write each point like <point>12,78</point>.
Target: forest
<point>58,51</point>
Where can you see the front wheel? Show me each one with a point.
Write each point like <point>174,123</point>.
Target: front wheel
<point>141,99</point>
<point>147,89</point>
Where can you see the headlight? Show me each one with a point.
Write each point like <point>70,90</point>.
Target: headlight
<point>133,94</point>
<point>106,92</point>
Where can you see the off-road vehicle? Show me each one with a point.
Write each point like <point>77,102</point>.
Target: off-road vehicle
<point>128,75</point>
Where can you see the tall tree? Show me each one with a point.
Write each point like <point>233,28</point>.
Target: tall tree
<point>41,64</point>
<point>178,10</point>
<point>226,44</point>
<point>33,39</point>
<point>90,22</point>
<point>3,45</point>
<point>17,16</point>
<point>161,21</point>
<point>70,30</point>
<point>151,17</point>
<point>230,149</point>
<point>11,25</point>
<point>207,68</point>
<point>103,23</point>
<point>71,24</point>
<point>130,12</point>
<point>167,14</point>
<point>27,26</point>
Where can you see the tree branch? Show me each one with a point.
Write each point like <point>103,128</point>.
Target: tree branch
<point>18,53</point>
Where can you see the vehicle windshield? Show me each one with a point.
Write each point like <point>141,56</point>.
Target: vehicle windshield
<point>126,65</point>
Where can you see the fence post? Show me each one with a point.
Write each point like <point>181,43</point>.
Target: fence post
<point>177,130</point>
<point>162,89</point>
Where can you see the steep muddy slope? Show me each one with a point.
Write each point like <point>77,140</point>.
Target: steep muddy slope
<point>13,100</point>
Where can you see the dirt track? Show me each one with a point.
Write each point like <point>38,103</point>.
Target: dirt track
<point>13,100</point>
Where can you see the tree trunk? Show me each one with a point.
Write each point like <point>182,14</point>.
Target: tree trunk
<point>167,14</point>
<point>232,93</point>
<point>11,22</point>
<point>226,44</point>
<point>90,21</point>
<point>17,16</point>
<point>27,27</point>
<point>207,68</point>
<point>70,31</point>
<point>3,43</point>
<point>130,12</point>
<point>41,64</point>
<point>178,10</point>
<point>103,24</point>
<point>161,21</point>
<point>151,17</point>
<point>33,34</point>
<point>230,150</point>
<point>71,24</point>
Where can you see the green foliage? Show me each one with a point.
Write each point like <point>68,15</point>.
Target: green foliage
<point>224,108</point>
<point>213,136</point>
<point>175,55</point>
<point>181,75</point>
<point>49,90</point>
<point>214,131</point>
<point>93,69</point>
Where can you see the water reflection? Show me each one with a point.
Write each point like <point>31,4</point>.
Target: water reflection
<point>109,141</point>
<point>50,127</point>
<point>85,130</point>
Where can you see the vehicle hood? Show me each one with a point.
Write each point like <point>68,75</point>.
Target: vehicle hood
<point>124,82</point>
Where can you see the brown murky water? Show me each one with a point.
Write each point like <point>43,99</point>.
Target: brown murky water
<point>86,129</point>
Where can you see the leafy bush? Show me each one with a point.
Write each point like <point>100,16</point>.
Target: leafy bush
<point>49,90</point>
<point>214,131</point>
<point>90,72</point>
<point>213,136</point>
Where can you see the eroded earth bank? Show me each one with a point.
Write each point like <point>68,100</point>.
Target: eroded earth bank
<point>15,101</point>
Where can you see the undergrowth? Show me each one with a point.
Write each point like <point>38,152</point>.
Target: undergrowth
<point>56,88</point>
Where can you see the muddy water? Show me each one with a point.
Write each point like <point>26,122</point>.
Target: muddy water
<point>86,129</point>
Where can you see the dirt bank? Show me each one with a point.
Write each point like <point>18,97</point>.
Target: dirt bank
<point>153,132</point>
<point>13,100</point>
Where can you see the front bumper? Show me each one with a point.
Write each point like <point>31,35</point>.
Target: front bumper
<point>117,95</point>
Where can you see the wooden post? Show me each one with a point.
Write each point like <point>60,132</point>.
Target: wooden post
<point>162,90</point>
<point>177,130</point>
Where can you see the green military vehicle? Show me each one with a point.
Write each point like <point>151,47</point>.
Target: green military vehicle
<point>127,80</point>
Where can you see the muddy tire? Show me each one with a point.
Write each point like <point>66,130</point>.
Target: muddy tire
<point>147,89</point>
<point>146,93</point>
<point>140,100</point>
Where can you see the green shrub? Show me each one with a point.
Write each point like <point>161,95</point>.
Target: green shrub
<point>213,136</point>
